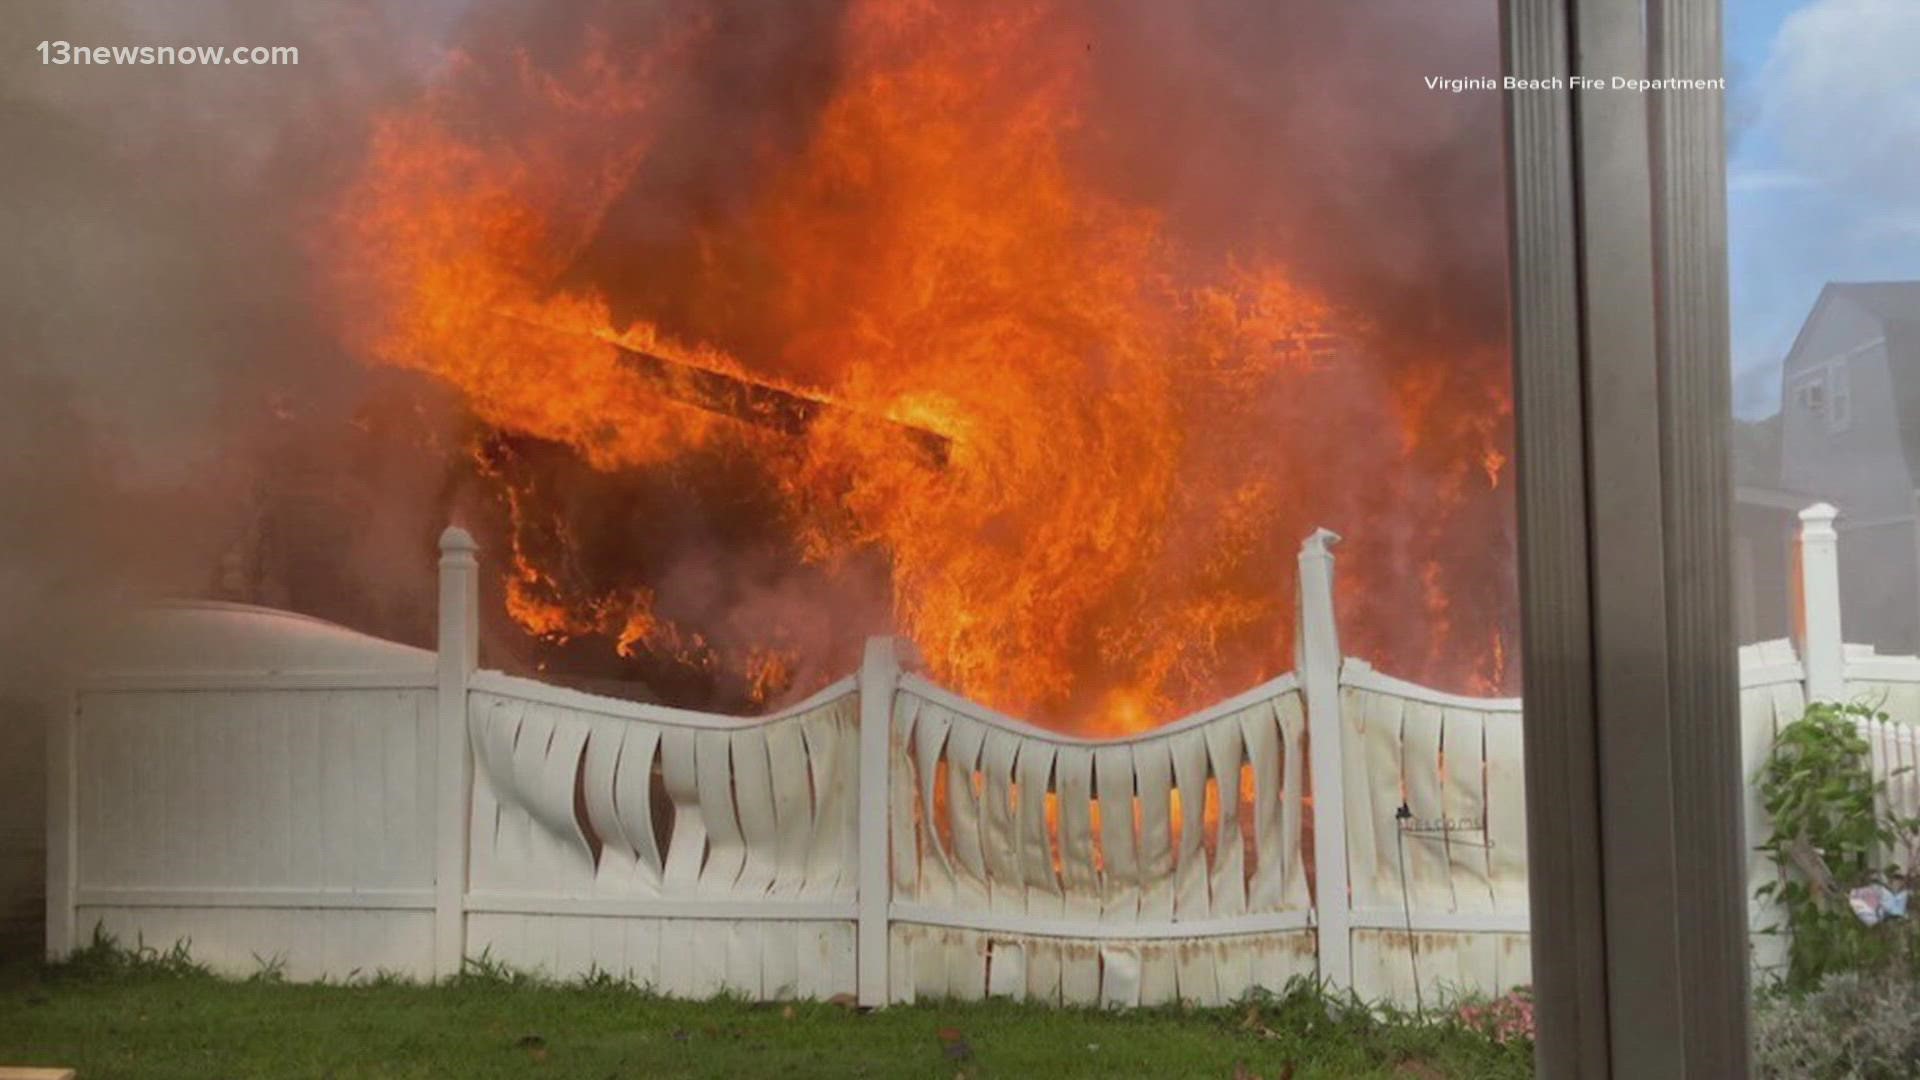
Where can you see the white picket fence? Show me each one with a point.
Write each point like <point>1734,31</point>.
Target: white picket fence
<point>274,788</point>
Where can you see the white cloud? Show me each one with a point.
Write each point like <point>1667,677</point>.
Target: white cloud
<point>1825,184</point>
<point>1840,96</point>
<point>1907,222</point>
<point>1755,180</point>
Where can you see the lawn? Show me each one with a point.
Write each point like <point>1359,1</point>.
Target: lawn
<point>111,1014</point>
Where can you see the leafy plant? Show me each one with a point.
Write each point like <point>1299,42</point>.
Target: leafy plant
<point>1503,1018</point>
<point>1851,1025</point>
<point>1818,787</point>
<point>486,970</point>
<point>105,955</point>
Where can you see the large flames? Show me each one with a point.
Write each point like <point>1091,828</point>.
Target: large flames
<point>1133,432</point>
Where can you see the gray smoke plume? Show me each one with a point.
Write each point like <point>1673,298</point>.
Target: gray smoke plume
<point>167,381</point>
<point>159,358</point>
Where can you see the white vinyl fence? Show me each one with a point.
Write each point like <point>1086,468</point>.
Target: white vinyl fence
<point>273,788</point>
<point>1162,867</point>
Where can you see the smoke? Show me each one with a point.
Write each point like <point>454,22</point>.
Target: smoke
<point>1821,182</point>
<point>1839,95</point>
<point>162,372</point>
<point>1306,133</point>
<point>1309,129</point>
<point>173,388</point>
<point>1306,139</point>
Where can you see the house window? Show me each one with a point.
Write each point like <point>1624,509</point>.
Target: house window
<point>1825,391</point>
<point>1839,396</point>
<point>1810,393</point>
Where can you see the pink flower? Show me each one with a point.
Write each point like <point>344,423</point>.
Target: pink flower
<point>1507,1017</point>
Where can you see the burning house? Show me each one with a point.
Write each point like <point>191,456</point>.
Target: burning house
<point>1034,333</point>
<point>838,500</point>
<point>926,324</point>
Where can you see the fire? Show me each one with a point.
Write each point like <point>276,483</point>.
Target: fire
<point>1105,534</point>
<point>1211,835</point>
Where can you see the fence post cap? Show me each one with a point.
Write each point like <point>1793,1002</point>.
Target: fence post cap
<point>1819,511</point>
<point>881,649</point>
<point>1318,541</point>
<point>457,539</point>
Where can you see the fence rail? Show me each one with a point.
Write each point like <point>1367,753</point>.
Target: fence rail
<point>266,785</point>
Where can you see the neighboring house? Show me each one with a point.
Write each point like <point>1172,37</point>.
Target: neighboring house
<point>1848,433</point>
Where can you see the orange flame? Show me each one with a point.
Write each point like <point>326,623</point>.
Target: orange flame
<point>1105,540</point>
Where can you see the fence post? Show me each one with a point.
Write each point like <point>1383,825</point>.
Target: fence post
<point>879,674</point>
<point>1317,660</point>
<point>1819,625</point>
<point>62,714</point>
<point>459,655</point>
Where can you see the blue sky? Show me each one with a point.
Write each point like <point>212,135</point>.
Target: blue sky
<point>1823,174</point>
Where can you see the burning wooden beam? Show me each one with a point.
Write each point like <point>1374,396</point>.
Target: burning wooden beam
<point>757,403</point>
<point>739,398</point>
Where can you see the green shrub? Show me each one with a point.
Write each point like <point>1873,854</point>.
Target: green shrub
<point>1819,789</point>
<point>1852,1026</point>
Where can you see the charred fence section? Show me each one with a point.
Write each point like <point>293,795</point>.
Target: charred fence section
<point>279,790</point>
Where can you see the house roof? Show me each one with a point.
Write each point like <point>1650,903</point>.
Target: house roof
<point>1896,306</point>
<point>1887,301</point>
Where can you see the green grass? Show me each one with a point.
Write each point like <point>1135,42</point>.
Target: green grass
<point>113,1012</point>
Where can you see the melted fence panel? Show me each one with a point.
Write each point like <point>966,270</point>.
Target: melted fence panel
<point>592,788</point>
<point>1033,768</point>
<point>1120,861</point>
<point>687,840</point>
<point>1153,828</point>
<point>582,803</point>
<point>792,808</point>
<point>1079,868</point>
<point>316,805</point>
<point>999,837</point>
<point>1268,818</point>
<point>900,797</point>
<point>699,853</point>
<point>832,737</point>
<point>1100,871</point>
<point>963,793</point>
<point>716,789</point>
<point>753,796</point>
<point>1189,753</point>
<point>1286,847</point>
<point>1227,881</point>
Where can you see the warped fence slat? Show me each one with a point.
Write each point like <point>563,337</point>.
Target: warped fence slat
<point>350,806</point>
<point>588,812</point>
<point>1040,866</point>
